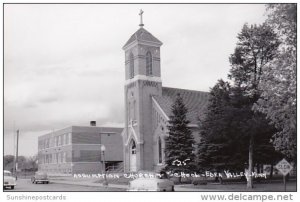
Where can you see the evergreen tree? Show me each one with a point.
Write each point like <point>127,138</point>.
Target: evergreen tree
<point>221,145</point>
<point>225,132</point>
<point>213,136</point>
<point>180,142</point>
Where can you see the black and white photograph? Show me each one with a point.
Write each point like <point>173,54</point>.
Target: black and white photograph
<point>150,97</point>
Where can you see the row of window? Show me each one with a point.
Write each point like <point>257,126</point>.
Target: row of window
<point>60,157</point>
<point>55,141</point>
<point>148,64</point>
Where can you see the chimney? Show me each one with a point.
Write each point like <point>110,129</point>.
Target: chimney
<point>93,123</point>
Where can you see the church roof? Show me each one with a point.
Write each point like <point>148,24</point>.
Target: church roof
<point>195,101</point>
<point>142,35</point>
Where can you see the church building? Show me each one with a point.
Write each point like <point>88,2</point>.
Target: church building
<point>148,104</point>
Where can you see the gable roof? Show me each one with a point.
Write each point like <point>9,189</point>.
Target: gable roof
<point>195,101</point>
<point>142,35</point>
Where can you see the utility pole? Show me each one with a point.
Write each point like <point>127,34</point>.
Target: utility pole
<point>16,165</point>
<point>14,149</point>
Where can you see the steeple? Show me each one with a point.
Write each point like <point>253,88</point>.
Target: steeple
<point>142,81</point>
<point>142,35</point>
<point>142,55</point>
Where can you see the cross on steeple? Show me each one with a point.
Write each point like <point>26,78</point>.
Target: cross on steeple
<point>141,14</point>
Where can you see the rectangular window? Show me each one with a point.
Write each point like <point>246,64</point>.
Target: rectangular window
<point>59,140</point>
<point>67,139</point>
<point>65,157</point>
<point>159,151</point>
<point>70,138</point>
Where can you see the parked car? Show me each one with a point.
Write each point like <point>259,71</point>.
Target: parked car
<point>9,180</point>
<point>157,183</point>
<point>40,177</point>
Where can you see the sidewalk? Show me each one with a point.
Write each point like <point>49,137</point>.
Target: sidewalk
<point>190,188</point>
<point>91,183</point>
<point>291,186</point>
<point>86,182</point>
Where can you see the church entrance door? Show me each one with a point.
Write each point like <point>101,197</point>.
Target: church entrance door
<point>132,156</point>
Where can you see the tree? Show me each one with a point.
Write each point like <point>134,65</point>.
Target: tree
<point>278,82</point>
<point>8,162</point>
<point>256,47</point>
<point>180,141</point>
<point>225,129</point>
<point>24,163</point>
<point>31,163</point>
<point>219,148</point>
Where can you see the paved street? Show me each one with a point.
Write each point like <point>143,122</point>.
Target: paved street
<point>26,185</point>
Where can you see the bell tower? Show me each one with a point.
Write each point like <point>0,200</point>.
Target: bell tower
<point>142,81</point>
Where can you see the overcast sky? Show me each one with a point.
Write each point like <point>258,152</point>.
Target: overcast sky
<point>64,64</point>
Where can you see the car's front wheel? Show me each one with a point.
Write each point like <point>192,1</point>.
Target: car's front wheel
<point>12,187</point>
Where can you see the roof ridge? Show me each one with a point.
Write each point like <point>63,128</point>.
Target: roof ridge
<point>182,89</point>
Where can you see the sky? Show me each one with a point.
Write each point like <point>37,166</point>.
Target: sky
<point>64,64</point>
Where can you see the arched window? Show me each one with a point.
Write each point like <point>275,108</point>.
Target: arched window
<point>148,64</point>
<point>159,151</point>
<point>131,67</point>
